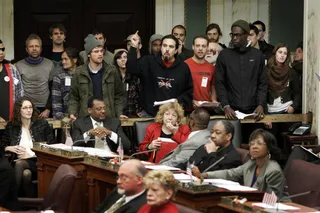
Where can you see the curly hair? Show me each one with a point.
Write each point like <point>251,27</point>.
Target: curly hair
<point>16,119</point>
<point>172,105</point>
<point>270,141</point>
<point>164,178</point>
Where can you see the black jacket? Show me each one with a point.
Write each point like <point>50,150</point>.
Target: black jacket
<point>203,160</point>
<point>40,131</point>
<point>159,82</point>
<point>292,92</point>
<point>266,49</point>
<point>186,53</point>
<point>131,207</point>
<point>241,79</point>
<point>82,125</point>
<point>8,195</point>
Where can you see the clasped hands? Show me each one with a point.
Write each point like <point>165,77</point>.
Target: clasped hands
<point>100,132</point>
<point>19,150</point>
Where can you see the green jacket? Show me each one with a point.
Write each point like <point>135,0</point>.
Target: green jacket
<point>81,90</point>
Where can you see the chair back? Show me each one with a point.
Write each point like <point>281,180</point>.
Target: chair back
<point>303,176</point>
<point>237,137</point>
<point>60,189</point>
<point>244,155</point>
<point>184,209</point>
<point>141,127</point>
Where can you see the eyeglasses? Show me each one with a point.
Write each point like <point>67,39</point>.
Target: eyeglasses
<point>212,51</point>
<point>259,143</point>
<point>237,35</point>
<point>2,49</point>
<point>25,108</point>
<point>122,178</point>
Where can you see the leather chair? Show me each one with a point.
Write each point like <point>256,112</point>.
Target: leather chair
<point>59,191</point>
<point>244,154</point>
<point>141,127</point>
<point>237,138</point>
<point>185,209</point>
<point>303,176</point>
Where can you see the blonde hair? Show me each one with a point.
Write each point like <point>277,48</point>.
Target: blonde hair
<point>164,178</point>
<point>172,105</point>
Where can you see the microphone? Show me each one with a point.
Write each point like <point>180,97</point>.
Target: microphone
<point>215,163</point>
<point>296,195</point>
<point>81,140</point>
<point>143,152</point>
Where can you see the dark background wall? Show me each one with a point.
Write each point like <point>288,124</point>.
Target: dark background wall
<point>286,21</point>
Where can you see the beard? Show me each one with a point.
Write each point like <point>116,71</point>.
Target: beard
<point>166,58</point>
<point>121,191</point>
<point>199,57</point>
<point>212,59</point>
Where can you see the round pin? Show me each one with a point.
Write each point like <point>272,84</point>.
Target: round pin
<point>6,79</point>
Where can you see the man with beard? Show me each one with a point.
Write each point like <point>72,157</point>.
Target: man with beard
<point>213,51</point>
<point>130,193</point>
<point>95,78</point>
<point>241,81</point>
<point>163,76</point>
<point>180,33</point>
<point>36,74</point>
<point>10,86</point>
<point>214,33</point>
<point>202,72</point>
<point>57,34</point>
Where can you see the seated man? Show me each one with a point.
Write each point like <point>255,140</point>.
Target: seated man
<point>96,128</point>
<point>199,135</point>
<point>220,146</point>
<point>130,193</point>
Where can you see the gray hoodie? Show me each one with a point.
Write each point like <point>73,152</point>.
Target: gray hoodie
<point>152,39</point>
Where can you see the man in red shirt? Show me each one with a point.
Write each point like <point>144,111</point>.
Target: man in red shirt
<point>202,72</point>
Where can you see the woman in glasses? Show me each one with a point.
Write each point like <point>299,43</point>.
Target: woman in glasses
<point>10,86</point>
<point>262,172</point>
<point>21,132</point>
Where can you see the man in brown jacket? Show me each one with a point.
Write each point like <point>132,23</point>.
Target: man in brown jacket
<point>95,78</point>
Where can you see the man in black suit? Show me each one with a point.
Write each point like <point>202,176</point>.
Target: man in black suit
<point>130,193</point>
<point>220,146</point>
<point>97,128</point>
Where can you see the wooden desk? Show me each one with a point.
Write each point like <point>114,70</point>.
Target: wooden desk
<point>229,209</point>
<point>47,164</point>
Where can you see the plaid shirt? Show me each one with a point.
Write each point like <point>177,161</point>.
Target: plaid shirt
<point>17,87</point>
<point>131,88</point>
<point>60,94</point>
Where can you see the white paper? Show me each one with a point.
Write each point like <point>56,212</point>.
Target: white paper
<point>241,115</point>
<point>278,206</point>
<point>146,162</point>
<point>167,140</point>
<point>162,167</point>
<point>182,176</point>
<point>88,150</point>
<point>157,103</point>
<point>67,81</point>
<point>220,181</point>
<point>236,187</point>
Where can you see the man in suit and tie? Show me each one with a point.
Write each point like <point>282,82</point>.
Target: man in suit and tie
<point>199,120</point>
<point>130,193</point>
<point>106,131</point>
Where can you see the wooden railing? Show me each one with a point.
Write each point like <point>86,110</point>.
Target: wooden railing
<point>306,118</point>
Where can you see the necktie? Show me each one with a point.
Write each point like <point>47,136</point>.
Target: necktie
<point>117,205</point>
<point>99,143</point>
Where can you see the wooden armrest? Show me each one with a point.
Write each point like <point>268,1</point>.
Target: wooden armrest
<point>31,202</point>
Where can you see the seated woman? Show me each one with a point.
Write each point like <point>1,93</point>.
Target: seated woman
<point>261,172</point>
<point>20,133</point>
<point>284,94</point>
<point>62,81</point>
<point>168,124</point>
<point>161,186</point>
<point>131,85</point>
<point>8,193</point>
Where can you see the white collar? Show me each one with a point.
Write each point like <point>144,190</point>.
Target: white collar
<point>94,122</point>
<point>94,71</point>
<point>129,198</point>
<point>193,133</point>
